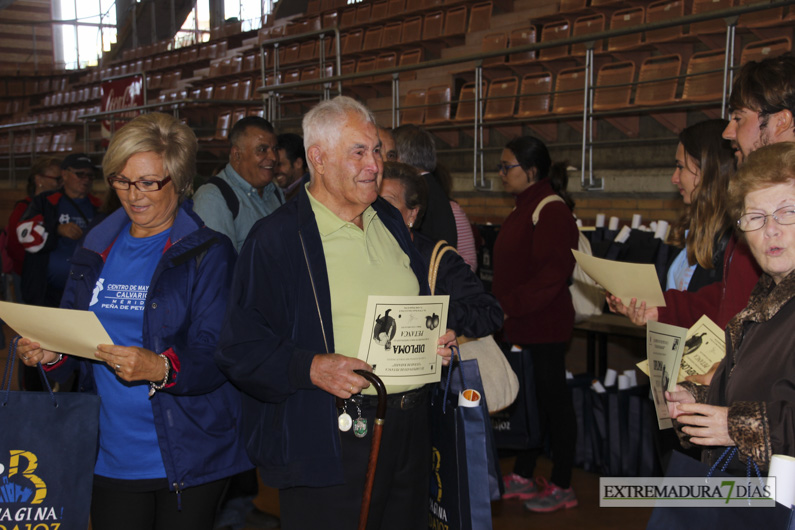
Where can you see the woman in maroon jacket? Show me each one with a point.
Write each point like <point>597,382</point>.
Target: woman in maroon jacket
<point>532,267</point>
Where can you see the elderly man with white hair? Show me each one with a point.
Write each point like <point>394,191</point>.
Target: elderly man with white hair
<point>292,333</point>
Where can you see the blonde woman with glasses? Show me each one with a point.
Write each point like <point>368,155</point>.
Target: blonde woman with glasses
<point>158,280</point>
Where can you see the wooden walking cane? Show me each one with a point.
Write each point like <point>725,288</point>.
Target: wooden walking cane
<point>375,444</point>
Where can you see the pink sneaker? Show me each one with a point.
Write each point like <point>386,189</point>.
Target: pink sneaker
<point>518,487</point>
<point>551,498</point>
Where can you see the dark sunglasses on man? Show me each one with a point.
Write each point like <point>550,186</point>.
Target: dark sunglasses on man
<point>82,173</point>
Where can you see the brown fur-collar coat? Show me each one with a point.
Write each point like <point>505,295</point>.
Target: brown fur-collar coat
<point>756,379</point>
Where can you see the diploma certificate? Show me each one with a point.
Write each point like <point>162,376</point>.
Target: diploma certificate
<point>399,338</point>
<point>68,331</point>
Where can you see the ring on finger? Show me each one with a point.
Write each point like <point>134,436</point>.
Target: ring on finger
<point>351,389</point>
<point>118,367</point>
<point>24,357</point>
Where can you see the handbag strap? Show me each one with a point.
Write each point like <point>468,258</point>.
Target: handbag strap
<point>436,258</point>
<point>6,384</point>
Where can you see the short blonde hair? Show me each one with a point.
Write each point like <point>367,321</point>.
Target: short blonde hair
<point>158,133</point>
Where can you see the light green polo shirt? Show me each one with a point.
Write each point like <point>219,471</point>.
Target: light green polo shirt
<point>360,262</point>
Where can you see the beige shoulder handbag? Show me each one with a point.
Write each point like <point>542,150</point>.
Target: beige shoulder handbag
<point>499,380</point>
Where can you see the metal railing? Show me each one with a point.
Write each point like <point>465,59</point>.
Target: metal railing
<point>272,94</point>
<point>730,15</point>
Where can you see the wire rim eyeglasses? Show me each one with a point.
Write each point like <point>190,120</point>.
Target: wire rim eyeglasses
<point>751,222</point>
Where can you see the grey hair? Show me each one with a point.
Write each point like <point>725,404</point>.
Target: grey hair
<point>415,147</point>
<point>321,124</point>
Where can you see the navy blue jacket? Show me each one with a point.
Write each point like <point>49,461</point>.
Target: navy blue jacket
<point>197,417</point>
<point>272,333</point>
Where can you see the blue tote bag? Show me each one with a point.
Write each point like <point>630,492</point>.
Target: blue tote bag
<point>465,474</point>
<point>735,518</point>
<point>48,446</point>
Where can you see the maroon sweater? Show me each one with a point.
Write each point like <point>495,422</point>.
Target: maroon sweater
<point>532,267</point>
<point>720,301</point>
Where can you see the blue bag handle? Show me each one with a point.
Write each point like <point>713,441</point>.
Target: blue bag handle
<point>455,357</point>
<point>731,451</point>
<point>6,383</point>
<point>728,454</point>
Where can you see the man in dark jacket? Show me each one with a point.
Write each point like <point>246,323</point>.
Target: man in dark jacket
<point>50,228</point>
<point>292,332</point>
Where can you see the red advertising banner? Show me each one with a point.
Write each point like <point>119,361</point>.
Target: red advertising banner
<point>121,93</point>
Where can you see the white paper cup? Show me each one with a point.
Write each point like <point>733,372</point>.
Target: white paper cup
<point>783,468</point>
<point>469,398</point>
<point>600,220</point>
<point>613,224</point>
<point>623,382</point>
<point>636,220</point>
<point>610,377</point>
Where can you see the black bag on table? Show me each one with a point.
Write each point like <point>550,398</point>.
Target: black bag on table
<point>519,426</point>
<point>615,430</point>
<point>48,447</point>
<point>631,425</point>
<point>588,449</point>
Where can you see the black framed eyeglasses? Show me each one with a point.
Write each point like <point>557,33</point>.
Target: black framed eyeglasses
<point>504,168</point>
<point>754,221</point>
<point>118,183</point>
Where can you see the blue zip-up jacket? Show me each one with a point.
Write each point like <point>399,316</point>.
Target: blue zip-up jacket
<point>271,333</point>
<point>197,416</point>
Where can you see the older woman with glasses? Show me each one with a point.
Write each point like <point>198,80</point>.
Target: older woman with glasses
<point>158,280</point>
<point>750,403</point>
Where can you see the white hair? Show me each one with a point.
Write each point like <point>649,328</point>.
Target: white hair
<point>321,124</point>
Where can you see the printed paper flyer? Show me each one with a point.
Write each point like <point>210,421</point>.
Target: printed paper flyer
<point>664,347</point>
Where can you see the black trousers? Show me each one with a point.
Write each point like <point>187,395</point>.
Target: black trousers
<point>556,412</point>
<point>162,509</point>
<point>400,490</point>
